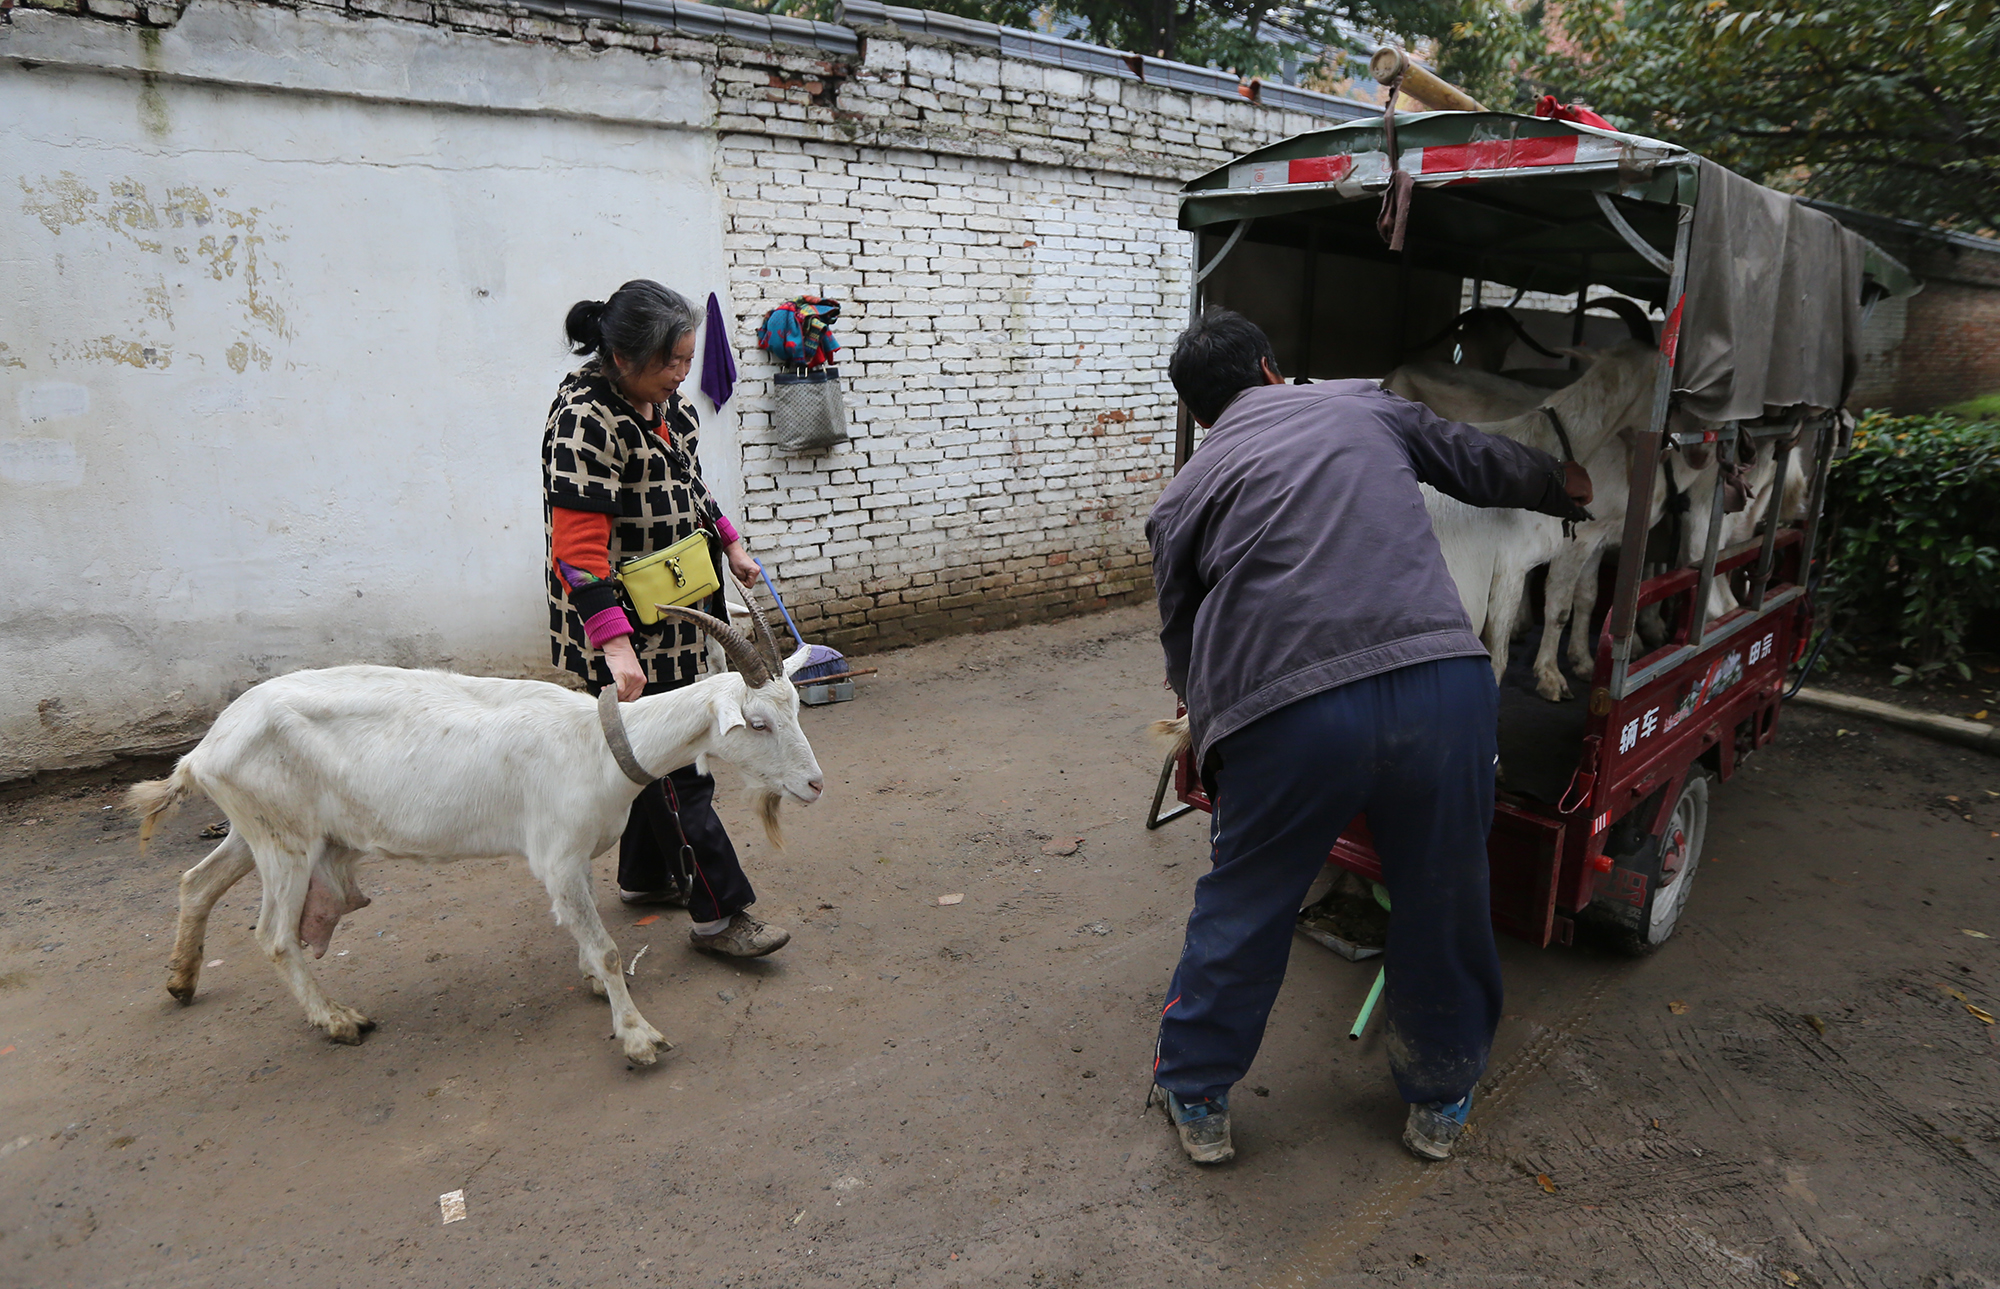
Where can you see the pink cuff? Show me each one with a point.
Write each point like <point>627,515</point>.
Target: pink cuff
<point>600,628</point>
<point>727,529</point>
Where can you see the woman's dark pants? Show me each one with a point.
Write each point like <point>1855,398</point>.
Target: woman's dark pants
<point>647,852</point>
<point>1413,748</point>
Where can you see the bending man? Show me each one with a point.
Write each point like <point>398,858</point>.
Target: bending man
<point>1328,668</point>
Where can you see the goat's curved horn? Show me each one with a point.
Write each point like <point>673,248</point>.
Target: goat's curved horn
<point>1637,322</point>
<point>765,638</point>
<point>742,655</point>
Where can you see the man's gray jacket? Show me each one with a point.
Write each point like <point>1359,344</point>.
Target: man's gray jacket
<point>1292,553</point>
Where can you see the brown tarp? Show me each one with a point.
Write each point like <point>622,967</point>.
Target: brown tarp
<point>1772,317</point>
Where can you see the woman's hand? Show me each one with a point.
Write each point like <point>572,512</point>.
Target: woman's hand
<point>624,666</point>
<point>741,566</point>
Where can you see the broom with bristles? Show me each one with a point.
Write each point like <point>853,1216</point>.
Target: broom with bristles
<point>824,661</point>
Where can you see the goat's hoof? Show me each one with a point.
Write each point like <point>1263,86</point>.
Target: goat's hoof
<point>643,1044</point>
<point>182,990</point>
<point>347,1025</point>
<point>597,987</point>
<point>1556,690</point>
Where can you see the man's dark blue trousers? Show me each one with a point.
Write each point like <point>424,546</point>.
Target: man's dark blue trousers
<point>1414,749</point>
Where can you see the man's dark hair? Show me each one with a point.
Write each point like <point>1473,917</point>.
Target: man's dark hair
<point>1216,359</point>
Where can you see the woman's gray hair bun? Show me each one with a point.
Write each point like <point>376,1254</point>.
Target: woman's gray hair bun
<point>641,323</point>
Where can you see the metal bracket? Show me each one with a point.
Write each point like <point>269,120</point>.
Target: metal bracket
<point>1154,818</point>
<point>1242,227</point>
<point>1625,230</point>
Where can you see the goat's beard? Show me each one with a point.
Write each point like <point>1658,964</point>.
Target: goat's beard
<point>767,811</point>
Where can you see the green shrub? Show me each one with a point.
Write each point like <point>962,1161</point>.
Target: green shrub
<point>1915,516</point>
<point>1986,406</point>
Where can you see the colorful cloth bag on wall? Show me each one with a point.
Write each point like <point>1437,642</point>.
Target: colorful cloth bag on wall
<point>799,333</point>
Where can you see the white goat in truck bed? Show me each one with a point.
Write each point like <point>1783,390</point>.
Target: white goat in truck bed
<point>320,769</point>
<point>1491,552</point>
<point>1570,591</point>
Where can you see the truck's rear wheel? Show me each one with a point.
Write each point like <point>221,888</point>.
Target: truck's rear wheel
<point>1641,906</point>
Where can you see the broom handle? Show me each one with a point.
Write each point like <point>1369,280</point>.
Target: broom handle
<point>780,602</point>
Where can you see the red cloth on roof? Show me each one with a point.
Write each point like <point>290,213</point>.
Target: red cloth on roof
<point>1554,111</point>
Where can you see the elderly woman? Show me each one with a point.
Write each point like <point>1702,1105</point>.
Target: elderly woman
<point>620,480</point>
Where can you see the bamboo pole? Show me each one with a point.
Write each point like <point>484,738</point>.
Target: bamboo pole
<point>1419,82</point>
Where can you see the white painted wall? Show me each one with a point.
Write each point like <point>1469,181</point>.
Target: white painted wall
<point>274,365</point>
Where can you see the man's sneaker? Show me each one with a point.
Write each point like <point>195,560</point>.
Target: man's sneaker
<point>675,896</point>
<point>1433,1127</point>
<point>1202,1124</point>
<point>744,937</point>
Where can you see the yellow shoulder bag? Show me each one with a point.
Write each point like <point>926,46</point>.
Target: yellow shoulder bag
<point>682,574</point>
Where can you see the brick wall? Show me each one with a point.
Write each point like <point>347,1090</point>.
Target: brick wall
<point>1942,345</point>
<point>1002,235</point>
<point>1002,238</point>
<point>1951,341</point>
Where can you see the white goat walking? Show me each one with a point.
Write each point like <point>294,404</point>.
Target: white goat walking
<point>320,769</point>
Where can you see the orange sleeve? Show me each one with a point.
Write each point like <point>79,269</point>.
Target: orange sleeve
<point>582,540</point>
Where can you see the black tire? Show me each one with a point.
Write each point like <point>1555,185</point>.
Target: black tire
<point>1663,869</point>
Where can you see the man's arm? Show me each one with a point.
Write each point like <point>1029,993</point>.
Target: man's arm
<point>1177,585</point>
<point>1482,469</point>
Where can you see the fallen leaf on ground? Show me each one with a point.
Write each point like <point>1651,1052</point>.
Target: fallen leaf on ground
<point>1842,733</point>
<point>1977,935</point>
<point>213,962</point>
<point>648,920</point>
<point>1953,992</point>
<point>1979,715</point>
<point>1677,1007</point>
<point>1543,1180</point>
<point>1061,845</point>
<point>1789,1277</point>
<point>950,899</point>
<point>1980,1013</point>
<point>1819,1026</point>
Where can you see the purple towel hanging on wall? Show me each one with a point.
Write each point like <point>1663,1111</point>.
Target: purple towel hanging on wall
<point>718,364</point>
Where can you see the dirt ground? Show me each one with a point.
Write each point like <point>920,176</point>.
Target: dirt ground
<point>1795,1091</point>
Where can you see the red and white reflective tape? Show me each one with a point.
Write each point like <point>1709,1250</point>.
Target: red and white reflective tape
<point>1345,171</point>
<point>1348,173</point>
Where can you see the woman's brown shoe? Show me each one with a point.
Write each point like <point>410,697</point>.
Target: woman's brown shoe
<point>744,937</point>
